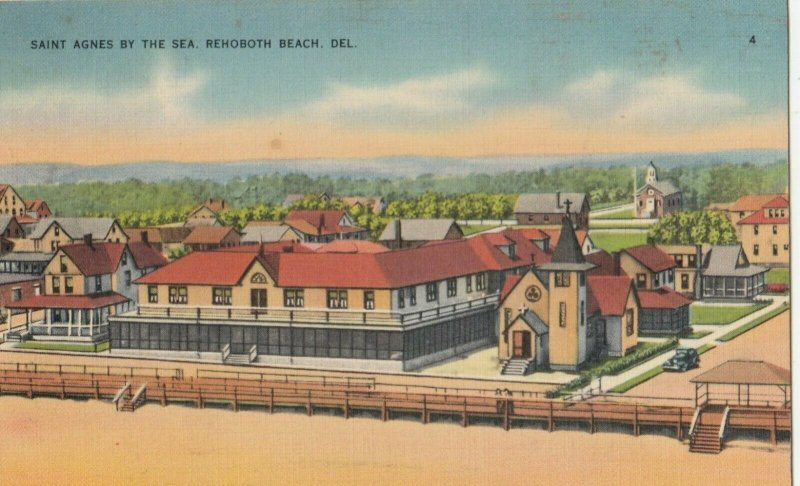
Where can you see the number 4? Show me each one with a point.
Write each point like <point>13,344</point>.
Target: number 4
<point>753,40</point>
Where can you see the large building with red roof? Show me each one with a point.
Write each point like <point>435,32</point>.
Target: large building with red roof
<point>764,233</point>
<point>84,284</point>
<point>322,226</point>
<point>339,304</point>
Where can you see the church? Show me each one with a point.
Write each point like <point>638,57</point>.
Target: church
<point>558,317</point>
<point>656,198</point>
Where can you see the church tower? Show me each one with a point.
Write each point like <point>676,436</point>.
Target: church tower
<point>652,176</point>
<point>567,313</point>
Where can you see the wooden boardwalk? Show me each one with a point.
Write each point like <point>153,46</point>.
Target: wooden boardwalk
<point>361,396</point>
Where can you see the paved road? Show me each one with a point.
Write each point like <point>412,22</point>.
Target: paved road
<point>609,382</point>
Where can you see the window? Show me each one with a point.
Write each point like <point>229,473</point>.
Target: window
<point>755,249</point>
<point>582,278</point>
<point>480,281</point>
<point>56,230</point>
<point>679,260</point>
<point>629,322</point>
<point>98,283</point>
<point>755,229</point>
<point>16,294</point>
<point>452,287</point>
<point>774,229</point>
<point>178,295</point>
<point>258,278</point>
<point>127,278</point>
<point>786,247</point>
<point>468,281</point>
<point>671,275</point>
<point>506,316</point>
<point>685,281</point>
<point>53,246</point>
<point>63,264</point>
<point>56,285</point>
<point>412,295</point>
<point>562,314</point>
<point>337,299</point>
<point>152,294</point>
<point>124,258</point>
<point>369,299</point>
<point>431,292</point>
<point>401,298</point>
<point>774,250</point>
<point>222,295</point>
<point>562,279</point>
<point>293,298</point>
<point>583,313</point>
<point>68,285</point>
<point>37,290</point>
<point>692,260</point>
<point>546,217</point>
<point>641,280</point>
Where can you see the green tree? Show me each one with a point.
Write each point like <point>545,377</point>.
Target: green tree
<point>692,228</point>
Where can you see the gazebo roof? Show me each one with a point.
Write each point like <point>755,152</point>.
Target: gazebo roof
<point>736,372</point>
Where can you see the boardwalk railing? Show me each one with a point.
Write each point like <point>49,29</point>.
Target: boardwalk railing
<point>129,371</point>
<point>348,381</point>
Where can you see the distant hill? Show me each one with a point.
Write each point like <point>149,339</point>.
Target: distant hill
<point>389,167</point>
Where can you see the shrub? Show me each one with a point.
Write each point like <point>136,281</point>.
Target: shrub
<point>777,288</point>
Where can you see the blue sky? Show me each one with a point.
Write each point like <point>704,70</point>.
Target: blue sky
<point>432,78</point>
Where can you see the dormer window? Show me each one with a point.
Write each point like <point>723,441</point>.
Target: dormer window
<point>508,250</point>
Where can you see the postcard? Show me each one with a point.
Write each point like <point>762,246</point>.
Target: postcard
<point>349,242</point>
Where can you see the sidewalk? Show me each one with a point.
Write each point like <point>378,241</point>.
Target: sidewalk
<point>610,381</point>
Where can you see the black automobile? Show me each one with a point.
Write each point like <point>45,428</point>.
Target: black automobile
<point>684,359</point>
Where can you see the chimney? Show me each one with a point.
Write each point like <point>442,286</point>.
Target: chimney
<point>145,238</point>
<point>398,236</point>
<point>321,222</point>
<point>558,199</point>
<point>87,240</point>
<point>616,270</point>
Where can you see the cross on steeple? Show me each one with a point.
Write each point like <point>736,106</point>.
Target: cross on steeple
<point>567,203</point>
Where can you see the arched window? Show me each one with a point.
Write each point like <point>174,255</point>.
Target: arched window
<point>259,278</point>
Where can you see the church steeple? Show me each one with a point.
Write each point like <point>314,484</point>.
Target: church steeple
<point>652,175</point>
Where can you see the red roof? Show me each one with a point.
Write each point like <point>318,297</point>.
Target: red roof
<point>510,282</point>
<point>25,219</point>
<point>145,256</point>
<point>607,294</point>
<point>760,218</point>
<point>203,268</point>
<point>348,246</point>
<point>604,261</point>
<point>778,202</point>
<point>207,235</point>
<point>92,301</point>
<point>663,298</point>
<point>95,259</point>
<point>319,222</point>
<point>752,202</point>
<point>651,257</point>
<point>534,234</point>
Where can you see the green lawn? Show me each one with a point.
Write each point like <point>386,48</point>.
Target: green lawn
<point>622,214</point>
<point>476,228</point>
<point>755,323</point>
<point>611,242</point>
<point>778,275</point>
<point>83,348</point>
<point>717,315</point>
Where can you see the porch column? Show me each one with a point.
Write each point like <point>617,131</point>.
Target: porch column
<point>28,322</point>
<point>49,315</point>
<point>91,322</point>
<point>71,317</point>
<point>80,321</point>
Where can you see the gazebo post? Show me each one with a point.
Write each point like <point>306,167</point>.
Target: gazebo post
<point>738,394</point>
<point>696,385</point>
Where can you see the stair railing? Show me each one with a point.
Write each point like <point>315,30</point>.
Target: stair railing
<point>121,393</point>
<point>724,423</point>
<point>226,351</point>
<point>140,396</point>
<point>695,420</point>
<point>253,353</point>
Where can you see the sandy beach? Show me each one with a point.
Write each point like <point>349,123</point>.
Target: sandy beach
<point>49,441</point>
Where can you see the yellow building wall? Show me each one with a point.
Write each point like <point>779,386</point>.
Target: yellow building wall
<point>632,268</point>
<point>54,269</point>
<point>765,239</point>
<point>564,340</point>
<point>514,301</point>
<point>630,341</point>
<point>11,204</point>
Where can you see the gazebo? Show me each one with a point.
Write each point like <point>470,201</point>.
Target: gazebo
<point>743,375</point>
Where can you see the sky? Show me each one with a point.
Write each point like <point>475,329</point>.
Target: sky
<point>451,79</point>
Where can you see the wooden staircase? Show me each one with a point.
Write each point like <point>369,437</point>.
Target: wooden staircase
<point>126,403</point>
<point>706,437</point>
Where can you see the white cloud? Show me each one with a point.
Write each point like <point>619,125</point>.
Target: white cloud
<point>422,97</point>
<point>166,100</point>
<point>675,101</point>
